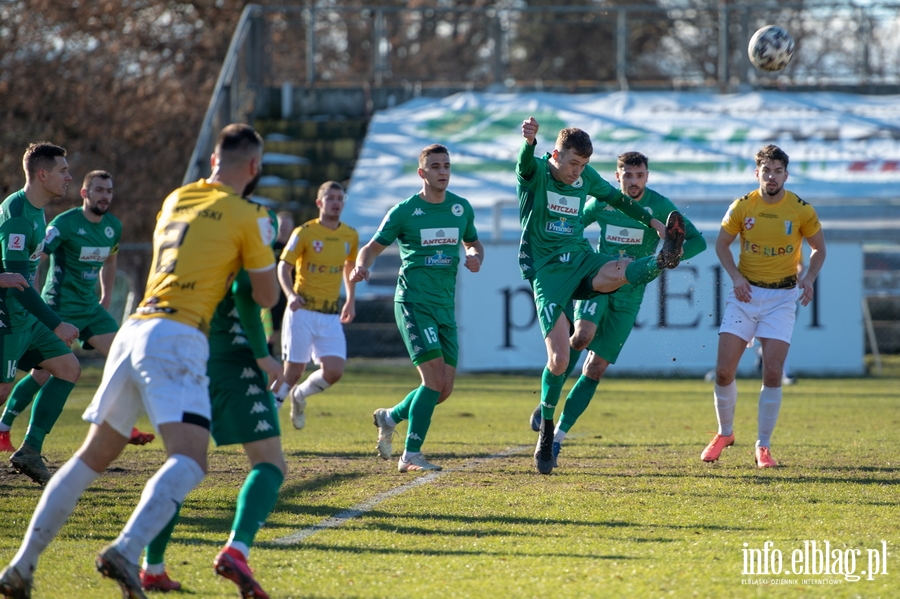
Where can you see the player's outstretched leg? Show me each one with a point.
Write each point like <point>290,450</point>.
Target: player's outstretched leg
<point>670,254</point>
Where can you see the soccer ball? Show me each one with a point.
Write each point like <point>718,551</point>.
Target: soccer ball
<point>771,48</point>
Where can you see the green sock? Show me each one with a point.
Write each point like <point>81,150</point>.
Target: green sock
<point>400,412</point>
<point>156,550</point>
<point>577,401</point>
<point>574,354</point>
<point>642,270</point>
<point>20,398</point>
<point>48,405</point>
<point>551,387</point>
<point>255,501</point>
<point>420,412</point>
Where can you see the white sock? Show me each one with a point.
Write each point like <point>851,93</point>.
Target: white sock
<point>769,405</point>
<point>389,420</point>
<point>162,495</point>
<point>725,398</point>
<point>314,383</point>
<point>559,434</point>
<point>407,456</point>
<point>56,505</point>
<point>242,547</point>
<point>156,569</point>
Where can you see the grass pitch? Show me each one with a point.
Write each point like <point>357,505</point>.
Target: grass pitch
<point>631,511</point>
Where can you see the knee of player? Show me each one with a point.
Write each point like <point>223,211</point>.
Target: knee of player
<point>595,370</point>
<point>332,375</point>
<point>580,340</point>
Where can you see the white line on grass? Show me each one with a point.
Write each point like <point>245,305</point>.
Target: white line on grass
<point>366,506</point>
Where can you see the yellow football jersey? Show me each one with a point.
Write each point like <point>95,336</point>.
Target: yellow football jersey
<point>204,234</point>
<point>318,255</point>
<point>770,234</point>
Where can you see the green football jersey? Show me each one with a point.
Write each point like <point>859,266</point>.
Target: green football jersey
<point>621,234</point>
<point>550,211</point>
<point>22,228</point>
<point>429,236</point>
<point>77,249</point>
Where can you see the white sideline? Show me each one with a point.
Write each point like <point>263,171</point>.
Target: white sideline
<point>361,508</point>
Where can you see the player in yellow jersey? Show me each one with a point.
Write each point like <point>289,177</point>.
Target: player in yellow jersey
<point>319,255</point>
<point>206,232</point>
<point>772,224</point>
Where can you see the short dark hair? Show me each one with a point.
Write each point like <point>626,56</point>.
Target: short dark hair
<point>324,187</point>
<point>429,150</point>
<point>237,139</point>
<point>41,155</point>
<point>575,139</point>
<point>87,178</point>
<point>771,152</point>
<point>632,159</point>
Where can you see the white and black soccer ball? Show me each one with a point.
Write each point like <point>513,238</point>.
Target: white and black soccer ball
<point>771,48</point>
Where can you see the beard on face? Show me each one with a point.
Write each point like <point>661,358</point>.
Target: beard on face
<point>96,209</point>
<point>248,189</point>
<point>778,189</point>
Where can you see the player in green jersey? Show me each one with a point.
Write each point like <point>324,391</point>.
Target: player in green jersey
<point>31,333</point>
<point>603,324</point>
<point>558,261</point>
<point>82,243</point>
<point>243,412</point>
<point>429,228</point>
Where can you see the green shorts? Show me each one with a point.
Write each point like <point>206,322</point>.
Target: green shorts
<point>27,347</point>
<point>96,322</point>
<point>614,314</point>
<point>243,410</point>
<point>429,332</point>
<point>564,278</point>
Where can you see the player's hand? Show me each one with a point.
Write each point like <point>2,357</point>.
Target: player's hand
<point>273,370</point>
<point>295,302</point>
<point>660,228</point>
<point>473,263</point>
<point>359,273</point>
<point>67,332</point>
<point>529,129</point>
<point>348,313</point>
<point>806,291</point>
<point>741,289</point>
<point>13,280</point>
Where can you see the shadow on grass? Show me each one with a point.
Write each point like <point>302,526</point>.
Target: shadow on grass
<point>443,552</point>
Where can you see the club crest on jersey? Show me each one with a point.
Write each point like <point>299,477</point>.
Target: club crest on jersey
<point>457,210</point>
<point>788,227</point>
<point>578,183</point>
<point>108,231</point>
<point>317,245</point>
<point>442,236</point>
<point>749,222</point>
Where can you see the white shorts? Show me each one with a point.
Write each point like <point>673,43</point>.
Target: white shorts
<point>158,367</point>
<point>306,334</point>
<point>769,315</point>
